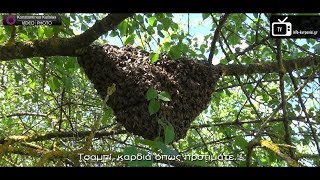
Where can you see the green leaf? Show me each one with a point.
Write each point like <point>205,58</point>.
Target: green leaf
<point>32,85</point>
<point>175,52</point>
<point>241,142</point>
<point>228,93</point>
<point>166,46</point>
<point>70,65</point>
<point>203,48</point>
<point>67,82</point>
<point>205,15</point>
<point>113,33</point>
<point>150,30</point>
<point>129,39</point>
<point>56,29</point>
<point>168,133</point>
<point>263,160</point>
<point>35,98</point>
<point>166,23</point>
<point>316,48</point>
<point>246,60</point>
<point>48,31</point>
<point>134,25</point>
<point>139,18</point>
<point>160,34</point>
<point>169,14</point>
<point>66,20</point>
<point>165,149</point>
<point>311,41</point>
<point>151,94</point>
<point>174,26</point>
<point>265,96</point>
<point>123,26</point>
<point>164,96</point>
<point>234,39</point>
<point>40,32</point>
<point>297,108</point>
<point>130,151</point>
<point>152,20</point>
<point>54,83</point>
<point>154,106</point>
<point>223,61</point>
<point>17,77</point>
<point>306,46</point>
<point>160,27</point>
<point>184,48</point>
<point>23,37</point>
<point>84,27</point>
<point>154,57</point>
<point>175,36</point>
<point>87,19</point>
<point>107,115</point>
<point>104,119</point>
<point>51,84</point>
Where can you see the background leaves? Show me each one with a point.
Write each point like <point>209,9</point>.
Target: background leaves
<point>44,95</point>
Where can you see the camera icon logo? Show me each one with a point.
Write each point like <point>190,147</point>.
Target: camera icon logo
<point>281,28</point>
<point>10,20</point>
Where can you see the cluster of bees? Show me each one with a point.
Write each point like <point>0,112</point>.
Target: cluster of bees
<point>190,84</point>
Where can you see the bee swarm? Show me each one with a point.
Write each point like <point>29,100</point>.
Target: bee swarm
<point>190,84</point>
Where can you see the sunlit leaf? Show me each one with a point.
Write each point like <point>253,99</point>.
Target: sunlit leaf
<point>154,57</point>
<point>164,96</point>
<point>32,85</point>
<point>152,20</point>
<point>40,32</point>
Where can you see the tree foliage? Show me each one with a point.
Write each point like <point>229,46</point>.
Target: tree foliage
<point>51,115</point>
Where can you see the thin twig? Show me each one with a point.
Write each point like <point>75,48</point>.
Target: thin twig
<point>216,36</point>
<point>286,124</point>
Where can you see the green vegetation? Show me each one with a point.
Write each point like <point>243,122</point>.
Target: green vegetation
<point>51,115</point>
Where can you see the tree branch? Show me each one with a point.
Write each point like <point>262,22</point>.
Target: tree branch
<point>286,124</point>
<point>236,123</point>
<point>67,134</point>
<point>68,47</point>
<point>271,67</point>
<point>25,114</point>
